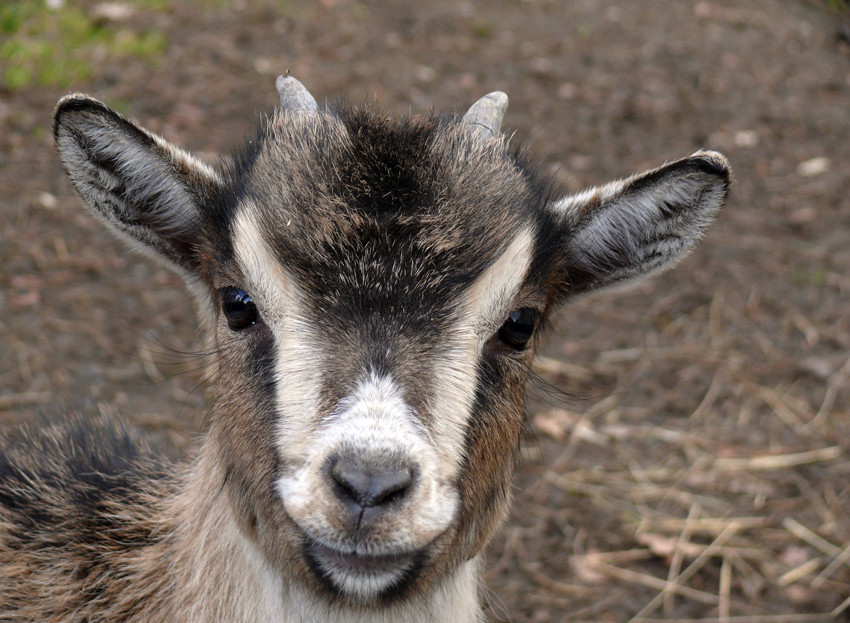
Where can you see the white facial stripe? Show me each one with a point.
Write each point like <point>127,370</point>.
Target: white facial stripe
<point>484,308</point>
<point>489,300</point>
<point>267,280</point>
<point>281,303</point>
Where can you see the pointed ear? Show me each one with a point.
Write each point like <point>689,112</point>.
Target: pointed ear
<point>145,189</point>
<point>640,226</point>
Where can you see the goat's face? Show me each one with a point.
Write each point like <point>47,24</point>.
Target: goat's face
<point>381,290</point>
<point>375,290</point>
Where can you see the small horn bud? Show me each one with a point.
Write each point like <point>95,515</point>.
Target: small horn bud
<point>293,95</point>
<point>485,115</point>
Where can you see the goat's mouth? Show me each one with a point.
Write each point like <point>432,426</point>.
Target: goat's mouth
<point>364,576</point>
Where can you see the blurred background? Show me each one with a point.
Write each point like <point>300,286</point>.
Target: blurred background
<point>688,452</point>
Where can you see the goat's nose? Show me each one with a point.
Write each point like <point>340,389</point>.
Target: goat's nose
<point>367,488</point>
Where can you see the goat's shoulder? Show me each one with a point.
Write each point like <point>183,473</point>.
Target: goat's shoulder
<point>78,501</point>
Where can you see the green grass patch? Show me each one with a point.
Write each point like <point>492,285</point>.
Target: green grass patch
<point>60,46</point>
<point>810,276</point>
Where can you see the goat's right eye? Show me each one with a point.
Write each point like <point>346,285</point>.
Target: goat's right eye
<point>239,309</point>
<point>518,329</point>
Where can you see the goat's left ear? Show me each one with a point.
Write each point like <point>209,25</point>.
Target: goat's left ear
<point>148,191</point>
<point>636,227</point>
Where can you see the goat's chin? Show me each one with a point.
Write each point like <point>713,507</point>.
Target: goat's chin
<point>364,578</point>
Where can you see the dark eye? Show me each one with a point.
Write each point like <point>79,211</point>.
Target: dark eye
<point>519,328</point>
<point>238,308</point>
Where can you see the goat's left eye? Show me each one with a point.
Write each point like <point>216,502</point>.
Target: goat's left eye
<point>519,328</point>
<point>238,308</point>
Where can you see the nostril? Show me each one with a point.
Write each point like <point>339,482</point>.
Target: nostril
<point>370,485</point>
<point>389,486</point>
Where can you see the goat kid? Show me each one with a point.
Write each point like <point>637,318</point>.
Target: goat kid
<point>373,290</point>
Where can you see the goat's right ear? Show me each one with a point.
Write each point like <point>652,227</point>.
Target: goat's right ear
<point>639,226</point>
<point>142,187</point>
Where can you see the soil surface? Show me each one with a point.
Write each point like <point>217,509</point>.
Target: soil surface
<point>694,460</point>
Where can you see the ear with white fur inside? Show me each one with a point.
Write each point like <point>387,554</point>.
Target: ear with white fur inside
<point>642,225</point>
<point>144,188</point>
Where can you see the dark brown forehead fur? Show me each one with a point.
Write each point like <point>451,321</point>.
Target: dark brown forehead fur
<point>356,204</point>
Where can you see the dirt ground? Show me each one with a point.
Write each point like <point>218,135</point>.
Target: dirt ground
<point>697,464</point>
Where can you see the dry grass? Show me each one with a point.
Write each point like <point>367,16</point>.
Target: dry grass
<point>738,512</point>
